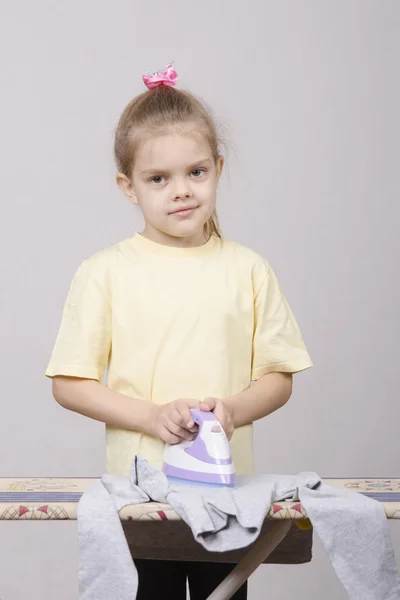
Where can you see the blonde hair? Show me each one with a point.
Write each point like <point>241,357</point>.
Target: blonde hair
<point>162,108</point>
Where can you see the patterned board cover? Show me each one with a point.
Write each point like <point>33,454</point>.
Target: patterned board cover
<point>57,498</point>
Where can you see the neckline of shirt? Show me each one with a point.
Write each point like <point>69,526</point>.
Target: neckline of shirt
<point>142,243</point>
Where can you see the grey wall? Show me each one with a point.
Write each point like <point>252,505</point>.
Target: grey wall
<point>309,95</point>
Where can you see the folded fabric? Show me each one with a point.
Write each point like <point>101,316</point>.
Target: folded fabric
<point>352,527</point>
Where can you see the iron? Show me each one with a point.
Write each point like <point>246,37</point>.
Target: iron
<point>206,460</point>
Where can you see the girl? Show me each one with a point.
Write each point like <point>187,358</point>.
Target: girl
<point>182,316</point>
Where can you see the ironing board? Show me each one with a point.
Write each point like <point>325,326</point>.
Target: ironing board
<point>56,498</point>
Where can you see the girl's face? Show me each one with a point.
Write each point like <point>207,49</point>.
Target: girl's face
<point>174,180</point>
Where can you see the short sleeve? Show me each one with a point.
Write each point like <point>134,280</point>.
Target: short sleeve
<point>83,341</point>
<point>278,345</point>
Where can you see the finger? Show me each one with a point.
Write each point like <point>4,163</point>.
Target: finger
<point>182,418</point>
<point>178,430</point>
<point>208,404</point>
<point>219,412</point>
<point>229,431</point>
<point>185,417</point>
<point>205,407</point>
<point>169,437</point>
<point>224,419</point>
<point>176,416</point>
<point>190,402</point>
<point>187,435</point>
<point>184,405</point>
<point>173,427</point>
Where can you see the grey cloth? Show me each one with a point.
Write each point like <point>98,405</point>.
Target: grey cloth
<point>352,527</point>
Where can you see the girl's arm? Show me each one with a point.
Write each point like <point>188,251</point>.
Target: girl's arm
<point>266,395</point>
<point>170,422</point>
<point>93,399</point>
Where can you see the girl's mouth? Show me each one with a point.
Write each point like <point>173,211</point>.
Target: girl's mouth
<point>184,212</point>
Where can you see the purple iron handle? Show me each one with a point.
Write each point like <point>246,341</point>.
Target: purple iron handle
<point>198,448</point>
<point>199,416</point>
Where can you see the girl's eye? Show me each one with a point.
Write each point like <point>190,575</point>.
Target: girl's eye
<point>199,171</point>
<point>156,177</point>
<point>152,180</point>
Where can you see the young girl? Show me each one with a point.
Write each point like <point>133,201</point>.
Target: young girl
<point>182,316</point>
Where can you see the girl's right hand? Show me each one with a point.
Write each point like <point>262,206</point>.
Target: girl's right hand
<point>172,422</point>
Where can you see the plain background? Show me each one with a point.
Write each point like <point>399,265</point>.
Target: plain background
<point>308,95</point>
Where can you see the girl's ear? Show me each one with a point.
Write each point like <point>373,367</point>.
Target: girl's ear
<point>126,187</point>
<point>220,165</point>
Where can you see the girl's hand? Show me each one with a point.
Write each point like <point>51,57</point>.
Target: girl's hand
<point>223,413</point>
<point>172,422</point>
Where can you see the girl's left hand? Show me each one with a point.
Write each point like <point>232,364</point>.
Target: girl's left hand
<point>223,414</point>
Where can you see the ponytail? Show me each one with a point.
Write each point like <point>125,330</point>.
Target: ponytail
<point>212,227</point>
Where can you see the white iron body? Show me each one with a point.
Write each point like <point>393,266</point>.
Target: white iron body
<point>206,460</point>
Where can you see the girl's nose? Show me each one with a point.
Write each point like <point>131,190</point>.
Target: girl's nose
<point>181,190</point>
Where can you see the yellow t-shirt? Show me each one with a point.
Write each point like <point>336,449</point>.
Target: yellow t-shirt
<point>174,323</point>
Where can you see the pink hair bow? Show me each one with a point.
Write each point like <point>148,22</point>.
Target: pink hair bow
<point>167,77</point>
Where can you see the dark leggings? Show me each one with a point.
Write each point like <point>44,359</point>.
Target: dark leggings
<point>161,579</point>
